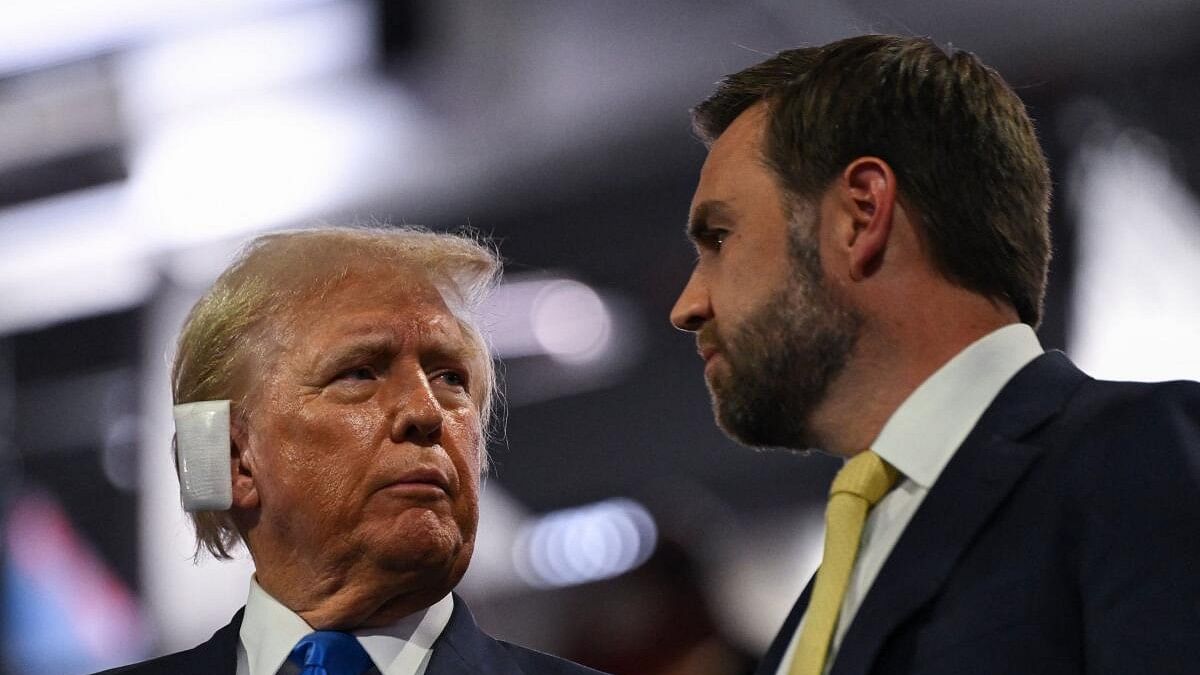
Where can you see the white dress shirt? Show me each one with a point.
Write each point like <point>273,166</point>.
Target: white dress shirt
<point>919,439</point>
<point>270,631</point>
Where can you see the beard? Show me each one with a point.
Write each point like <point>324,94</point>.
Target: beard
<point>782,358</point>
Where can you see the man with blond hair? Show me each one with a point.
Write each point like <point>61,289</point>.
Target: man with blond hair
<point>332,394</point>
<point>871,223</point>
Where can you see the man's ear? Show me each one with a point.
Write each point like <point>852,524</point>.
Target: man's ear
<point>241,467</point>
<point>869,196</point>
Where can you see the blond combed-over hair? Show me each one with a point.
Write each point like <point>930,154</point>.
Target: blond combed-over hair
<point>224,339</point>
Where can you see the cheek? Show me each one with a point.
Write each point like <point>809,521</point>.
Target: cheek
<point>342,431</point>
<point>745,294</point>
<point>314,456</point>
<point>462,441</point>
<point>472,457</point>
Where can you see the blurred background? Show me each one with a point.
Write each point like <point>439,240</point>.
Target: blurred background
<point>142,140</point>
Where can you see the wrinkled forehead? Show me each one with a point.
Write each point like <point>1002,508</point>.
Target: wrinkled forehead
<point>363,301</point>
<point>403,305</point>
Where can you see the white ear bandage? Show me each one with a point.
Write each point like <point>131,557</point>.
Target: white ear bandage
<point>202,441</point>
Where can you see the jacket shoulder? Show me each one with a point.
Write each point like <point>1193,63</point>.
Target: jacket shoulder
<point>1109,395</point>
<point>537,663</point>
<point>1102,414</point>
<point>464,648</point>
<point>215,656</point>
<point>179,663</point>
<point>1131,469</point>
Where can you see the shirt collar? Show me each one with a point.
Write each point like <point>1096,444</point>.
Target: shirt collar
<point>270,631</point>
<point>924,432</point>
<point>404,647</point>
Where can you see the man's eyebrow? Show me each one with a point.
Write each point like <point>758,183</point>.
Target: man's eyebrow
<point>704,215</point>
<point>364,347</point>
<point>457,351</point>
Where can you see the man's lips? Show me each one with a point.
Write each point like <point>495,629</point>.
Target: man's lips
<point>707,352</point>
<point>423,479</point>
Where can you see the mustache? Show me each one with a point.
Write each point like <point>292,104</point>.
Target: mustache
<point>707,338</point>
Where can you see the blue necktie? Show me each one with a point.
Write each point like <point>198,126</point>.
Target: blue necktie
<point>329,652</point>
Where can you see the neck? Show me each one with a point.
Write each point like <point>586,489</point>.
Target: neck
<point>892,358</point>
<point>348,597</point>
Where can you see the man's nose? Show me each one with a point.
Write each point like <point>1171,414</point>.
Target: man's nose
<point>693,308</point>
<point>416,412</point>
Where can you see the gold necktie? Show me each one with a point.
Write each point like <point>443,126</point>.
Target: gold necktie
<point>861,483</point>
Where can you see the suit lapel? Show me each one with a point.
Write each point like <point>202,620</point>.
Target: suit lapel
<point>222,648</point>
<point>464,649</point>
<point>215,656</point>
<point>974,484</point>
<point>774,656</point>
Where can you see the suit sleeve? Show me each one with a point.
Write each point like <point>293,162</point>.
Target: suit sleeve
<point>1140,542</point>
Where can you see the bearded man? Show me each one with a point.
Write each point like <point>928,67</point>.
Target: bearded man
<point>871,223</point>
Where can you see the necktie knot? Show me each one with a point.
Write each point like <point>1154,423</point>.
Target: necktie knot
<point>866,475</point>
<point>330,652</point>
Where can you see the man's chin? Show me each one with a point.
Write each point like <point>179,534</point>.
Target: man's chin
<point>741,424</point>
<point>736,426</point>
<point>434,570</point>
<point>414,578</point>
<point>415,538</point>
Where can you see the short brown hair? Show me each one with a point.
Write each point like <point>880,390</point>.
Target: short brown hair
<point>959,140</point>
<point>222,335</point>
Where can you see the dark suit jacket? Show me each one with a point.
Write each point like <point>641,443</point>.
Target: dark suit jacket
<point>1063,537</point>
<point>462,649</point>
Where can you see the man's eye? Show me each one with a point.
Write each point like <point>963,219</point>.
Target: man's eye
<point>357,373</point>
<point>713,238</point>
<point>452,378</point>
